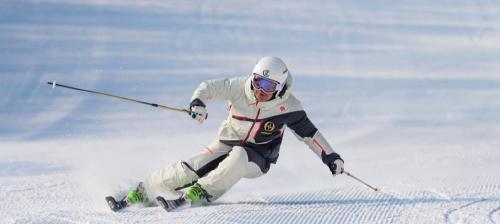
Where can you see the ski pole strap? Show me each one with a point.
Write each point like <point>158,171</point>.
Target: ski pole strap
<point>54,84</point>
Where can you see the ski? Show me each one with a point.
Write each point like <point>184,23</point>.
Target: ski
<point>170,205</point>
<point>116,205</point>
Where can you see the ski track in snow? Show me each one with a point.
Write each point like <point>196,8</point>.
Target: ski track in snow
<point>492,213</point>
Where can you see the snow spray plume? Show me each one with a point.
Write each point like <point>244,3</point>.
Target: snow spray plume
<point>54,84</point>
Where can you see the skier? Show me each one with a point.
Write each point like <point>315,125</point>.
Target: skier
<point>261,105</point>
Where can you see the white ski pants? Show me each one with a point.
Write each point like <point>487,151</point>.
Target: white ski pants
<point>216,168</point>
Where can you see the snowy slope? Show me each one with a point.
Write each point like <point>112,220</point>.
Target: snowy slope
<point>406,91</point>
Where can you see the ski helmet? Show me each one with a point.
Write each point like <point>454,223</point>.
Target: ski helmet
<point>272,68</point>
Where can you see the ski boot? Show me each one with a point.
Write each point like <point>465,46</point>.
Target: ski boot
<point>133,197</point>
<point>194,194</point>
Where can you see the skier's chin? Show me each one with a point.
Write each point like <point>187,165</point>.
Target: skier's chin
<point>263,99</point>
<point>262,96</point>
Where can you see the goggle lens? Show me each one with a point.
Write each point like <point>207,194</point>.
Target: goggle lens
<point>264,84</point>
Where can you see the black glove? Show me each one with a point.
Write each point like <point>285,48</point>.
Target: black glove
<point>334,162</point>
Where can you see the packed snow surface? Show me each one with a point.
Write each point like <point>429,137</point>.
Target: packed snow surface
<point>408,92</point>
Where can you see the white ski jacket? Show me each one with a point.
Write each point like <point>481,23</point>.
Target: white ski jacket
<point>260,125</point>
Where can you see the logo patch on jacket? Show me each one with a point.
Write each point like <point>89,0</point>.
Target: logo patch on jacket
<point>269,126</point>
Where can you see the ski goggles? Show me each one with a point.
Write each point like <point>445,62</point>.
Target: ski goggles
<point>264,84</point>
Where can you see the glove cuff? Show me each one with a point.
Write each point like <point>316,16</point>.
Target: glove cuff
<point>197,102</point>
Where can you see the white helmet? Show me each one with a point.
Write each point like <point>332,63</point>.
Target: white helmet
<point>272,68</point>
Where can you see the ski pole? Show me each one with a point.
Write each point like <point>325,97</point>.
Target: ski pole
<point>54,84</point>
<point>349,174</point>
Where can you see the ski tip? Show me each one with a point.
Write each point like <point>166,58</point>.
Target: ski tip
<point>113,205</point>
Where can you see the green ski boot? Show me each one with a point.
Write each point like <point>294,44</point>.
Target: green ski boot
<point>196,194</point>
<point>137,196</point>
<point>133,197</point>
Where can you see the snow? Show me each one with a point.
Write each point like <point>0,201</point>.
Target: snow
<point>407,92</point>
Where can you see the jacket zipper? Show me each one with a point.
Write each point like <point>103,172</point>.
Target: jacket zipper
<point>251,127</point>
